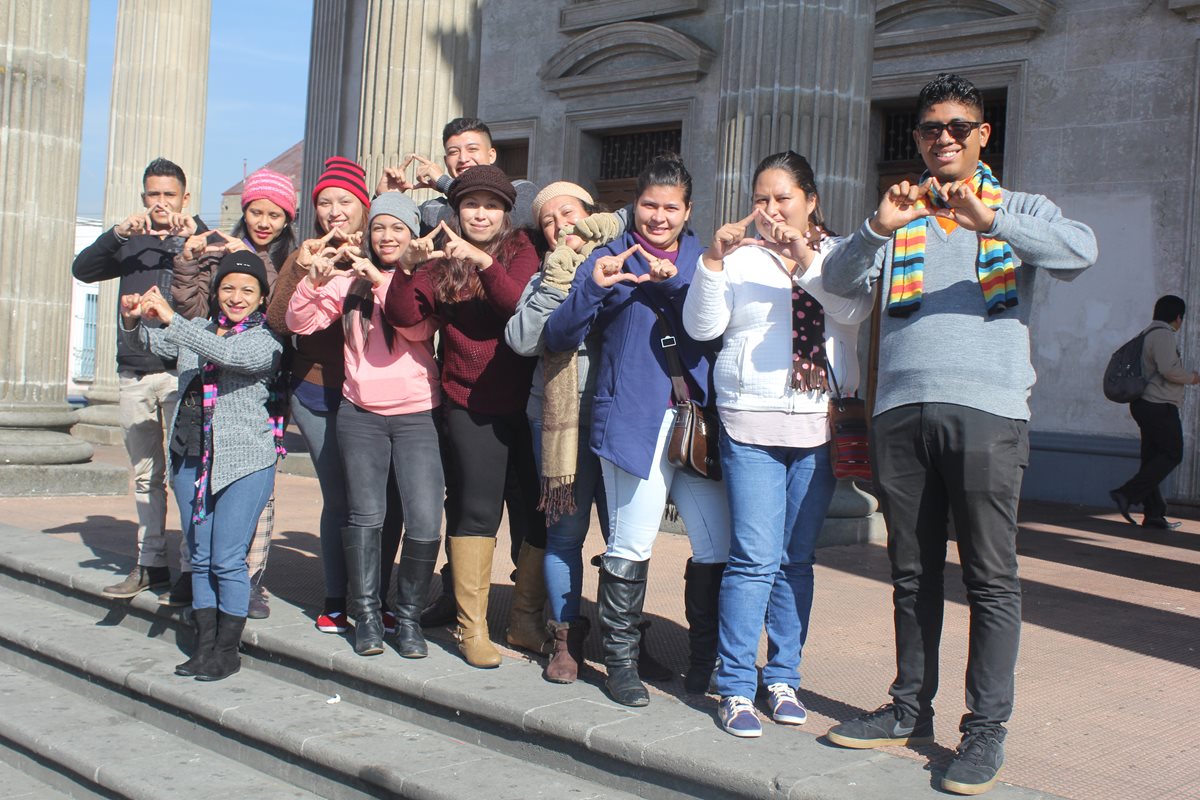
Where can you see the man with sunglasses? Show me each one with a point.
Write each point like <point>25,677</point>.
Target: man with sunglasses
<point>955,256</point>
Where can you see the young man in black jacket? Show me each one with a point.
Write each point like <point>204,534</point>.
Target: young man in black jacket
<point>140,253</point>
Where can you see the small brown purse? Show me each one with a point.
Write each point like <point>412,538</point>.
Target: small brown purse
<point>849,448</point>
<point>693,444</point>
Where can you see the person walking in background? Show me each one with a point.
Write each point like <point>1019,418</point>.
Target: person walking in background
<point>630,294</point>
<point>786,343</point>
<point>386,419</point>
<point>139,252</point>
<point>265,228</point>
<point>1156,413</point>
<point>472,291</point>
<point>956,257</point>
<point>225,437</point>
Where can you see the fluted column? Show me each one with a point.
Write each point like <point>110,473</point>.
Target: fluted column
<point>420,70</point>
<point>159,96</point>
<point>798,76</point>
<point>43,54</point>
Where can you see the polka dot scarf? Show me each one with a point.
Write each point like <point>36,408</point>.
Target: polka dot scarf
<point>808,343</point>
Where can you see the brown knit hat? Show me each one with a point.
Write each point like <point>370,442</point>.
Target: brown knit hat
<point>344,174</point>
<point>483,178</point>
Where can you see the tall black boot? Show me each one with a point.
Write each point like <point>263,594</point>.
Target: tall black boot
<point>206,637</point>
<point>621,595</point>
<point>412,587</point>
<point>361,546</point>
<point>701,594</point>
<point>223,660</point>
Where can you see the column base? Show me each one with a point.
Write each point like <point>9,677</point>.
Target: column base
<point>56,480</point>
<point>99,423</point>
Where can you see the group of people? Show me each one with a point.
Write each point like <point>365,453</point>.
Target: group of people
<point>514,347</point>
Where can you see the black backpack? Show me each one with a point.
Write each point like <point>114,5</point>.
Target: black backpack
<point>1123,379</point>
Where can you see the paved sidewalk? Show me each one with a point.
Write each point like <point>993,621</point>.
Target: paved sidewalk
<point>1108,670</point>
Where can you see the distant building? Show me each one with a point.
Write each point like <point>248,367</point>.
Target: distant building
<point>289,162</point>
<point>83,315</point>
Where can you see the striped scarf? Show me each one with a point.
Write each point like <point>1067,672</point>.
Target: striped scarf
<point>276,412</point>
<point>994,264</point>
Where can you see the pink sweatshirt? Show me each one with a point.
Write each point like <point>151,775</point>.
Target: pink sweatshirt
<point>403,380</point>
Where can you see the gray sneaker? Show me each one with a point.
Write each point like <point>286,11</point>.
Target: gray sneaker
<point>139,580</point>
<point>886,725</point>
<point>976,763</point>
<point>258,603</point>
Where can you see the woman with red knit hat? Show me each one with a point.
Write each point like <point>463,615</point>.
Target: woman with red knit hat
<point>265,228</point>
<point>472,290</point>
<point>318,371</point>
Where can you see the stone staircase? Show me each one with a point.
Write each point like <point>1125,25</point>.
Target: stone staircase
<point>91,708</point>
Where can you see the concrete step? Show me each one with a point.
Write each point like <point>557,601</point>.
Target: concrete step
<point>104,701</point>
<point>101,749</point>
<point>16,782</point>
<point>671,749</point>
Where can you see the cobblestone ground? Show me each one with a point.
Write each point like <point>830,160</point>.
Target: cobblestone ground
<point>1107,679</point>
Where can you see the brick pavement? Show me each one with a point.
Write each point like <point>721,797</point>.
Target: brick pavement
<point>1107,677</point>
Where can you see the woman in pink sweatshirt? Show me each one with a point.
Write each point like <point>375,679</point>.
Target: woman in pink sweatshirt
<point>386,419</point>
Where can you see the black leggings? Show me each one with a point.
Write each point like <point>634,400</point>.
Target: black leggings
<point>485,449</point>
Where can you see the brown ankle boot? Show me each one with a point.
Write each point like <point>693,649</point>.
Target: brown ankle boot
<point>526,625</point>
<point>568,650</point>
<point>472,557</point>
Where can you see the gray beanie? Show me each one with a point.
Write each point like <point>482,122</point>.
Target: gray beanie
<point>398,205</point>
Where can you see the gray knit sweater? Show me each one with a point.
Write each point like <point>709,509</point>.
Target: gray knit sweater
<point>950,350</point>
<point>243,441</point>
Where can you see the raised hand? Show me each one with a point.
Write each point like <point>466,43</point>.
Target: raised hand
<point>394,178</point>
<point>313,247</point>
<point>608,271</point>
<point>321,268</point>
<point>729,237</point>
<point>131,307</point>
<point>427,172</point>
<point>899,206</point>
<point>180,225</point>
<point>155,306</point>
<point>421,250</point>
<point>133,225</point>
<point>230,244</point>
<point>965,207</point>
<point>458,247</point>
<point>788,241</point>
<point>365,268</point>
<point>194,246</point>
<point>600,227</point>
<point>660,268</point>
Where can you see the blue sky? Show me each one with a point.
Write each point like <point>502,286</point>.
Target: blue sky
<point>257,49</point>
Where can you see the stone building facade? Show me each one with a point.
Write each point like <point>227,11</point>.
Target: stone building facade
<point>1095,103</point>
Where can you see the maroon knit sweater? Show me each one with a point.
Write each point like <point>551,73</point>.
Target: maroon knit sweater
<point>479,371</point>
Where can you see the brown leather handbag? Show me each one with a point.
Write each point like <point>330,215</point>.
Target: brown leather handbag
<point>697,429</point>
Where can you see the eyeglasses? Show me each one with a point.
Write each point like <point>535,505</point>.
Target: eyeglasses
<point>960,129</point>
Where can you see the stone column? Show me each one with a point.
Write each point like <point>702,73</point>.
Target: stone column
<point>43,51</point>
<point>420,70</point>
<point>159,97</point>
<point>798,76</point>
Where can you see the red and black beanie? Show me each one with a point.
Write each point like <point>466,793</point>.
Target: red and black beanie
<point>344,174</point>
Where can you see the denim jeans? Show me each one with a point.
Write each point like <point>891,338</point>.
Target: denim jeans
<point>408,443</point>
<point>565,538</point>
<point>218,544</point>
<point>319,429</point>
<point>778,497</point>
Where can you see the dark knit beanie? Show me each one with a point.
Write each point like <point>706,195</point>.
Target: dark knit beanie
<point>242,261</point>
<point>483,178</point>
<point>344,174</point>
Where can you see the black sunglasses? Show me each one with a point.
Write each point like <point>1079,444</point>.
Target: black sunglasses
<point>960,129</point>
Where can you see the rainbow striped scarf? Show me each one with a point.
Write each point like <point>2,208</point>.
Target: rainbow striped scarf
<point>994,264</point>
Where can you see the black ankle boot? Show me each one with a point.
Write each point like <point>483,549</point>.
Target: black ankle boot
<point>223,660</point>
<point>361,546</point>
<point>412,588</point>
<point>701,596</point>
<point>206,637</point>
<point>621,595</point>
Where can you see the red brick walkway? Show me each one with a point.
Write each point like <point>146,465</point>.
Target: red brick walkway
<point>1107,683</point>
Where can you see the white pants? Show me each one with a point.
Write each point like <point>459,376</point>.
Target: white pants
<point>635,507</point>
<point>146,405</point>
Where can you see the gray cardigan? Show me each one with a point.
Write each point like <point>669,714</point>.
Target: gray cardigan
<point>950,350</point>
<point>243,441</point>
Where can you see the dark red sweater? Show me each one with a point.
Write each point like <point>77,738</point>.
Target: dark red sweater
<point>479,371</point>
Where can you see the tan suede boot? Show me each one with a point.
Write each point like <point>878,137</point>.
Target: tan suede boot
<point>472,557</point>
<point>526,625</point>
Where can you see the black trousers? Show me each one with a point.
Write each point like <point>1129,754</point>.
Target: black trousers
<point>1162,451</point>
<point>936,462</point>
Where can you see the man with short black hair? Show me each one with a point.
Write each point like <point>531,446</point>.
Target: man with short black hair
<point>1156,413</point>
<point>139,252</point>
<point>956,257</point>
<point>467,142</point>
